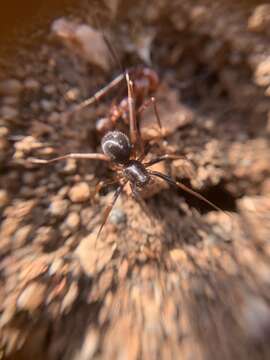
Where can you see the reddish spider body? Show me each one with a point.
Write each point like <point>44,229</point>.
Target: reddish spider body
<point>145,83</point>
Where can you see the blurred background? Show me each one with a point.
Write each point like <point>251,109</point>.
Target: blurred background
<point>190,282</point>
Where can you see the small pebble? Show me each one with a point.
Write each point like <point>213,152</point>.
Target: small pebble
<point>10,100</point>
<point>45,235</point>
<point>4,131</point>
<point>9,113</point>
<point>70,166</point>
<point>256,316</point>
<point>118,216</point>
<point>47,105</point>
<point>7,314</point>
<point>73,220</point>
<point>56,266</point>
<point>10,87</point>
<point>72,94</point>
<point>59,207</point>
<point>4,198</point>
<point>26,191</point>
<point>70,297</point>
<point>34,106</point>
<point>79,193</point>
<point>21,235</point>
<point>54,117</point>
<point>63,192</point>
<point>31,297</point>
<point>29,178</point>
<point>3,146</point>
<point>31,85</point>
<point>49,89</point>
<point>90,345</point>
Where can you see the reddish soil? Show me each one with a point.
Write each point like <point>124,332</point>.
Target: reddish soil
<point>189,282</point>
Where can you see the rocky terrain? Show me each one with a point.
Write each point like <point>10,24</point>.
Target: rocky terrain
<point>187,282</point>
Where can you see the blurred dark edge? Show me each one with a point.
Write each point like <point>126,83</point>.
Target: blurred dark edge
<point>19,17</point>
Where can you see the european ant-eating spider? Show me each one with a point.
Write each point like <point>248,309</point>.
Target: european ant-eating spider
<point>126,155</point>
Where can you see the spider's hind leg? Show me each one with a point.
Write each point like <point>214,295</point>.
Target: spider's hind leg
<point>137,197</point>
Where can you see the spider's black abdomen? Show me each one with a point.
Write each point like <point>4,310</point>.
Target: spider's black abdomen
<point>116,145</point>
<point>136,173</point>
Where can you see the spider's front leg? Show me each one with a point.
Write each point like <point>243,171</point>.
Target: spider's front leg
<point>94,156</point>
<point>162,158</point>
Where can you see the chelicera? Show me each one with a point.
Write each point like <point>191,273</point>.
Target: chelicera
<point>126,157</point>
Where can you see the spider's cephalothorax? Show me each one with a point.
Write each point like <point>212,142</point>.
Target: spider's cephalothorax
<point>136,173</point>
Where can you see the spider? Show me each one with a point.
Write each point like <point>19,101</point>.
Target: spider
<point>126,157</point>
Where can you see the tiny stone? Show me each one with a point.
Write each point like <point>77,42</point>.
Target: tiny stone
<point>31,297</point>
<point>63,192</point>
<point>47,105</point>
<point>10,100</point>
<point>40,191</point>
<point>256,316</point>
<point>79,192</point>
<point>59,207</point>
<point>29,178</point>
<point>73,220</point>
<point>56,266</point>
<point>8,314</point>
<point>118,216</point>
<point>71,241</point>
<point>4,131</point>
<point>26,191</point>
<point>45,235</point>
<point>54,117</point>
<point>31,84</point>
<point>21,235</point>
<point>90,345</point>
<point>4,198</point>
<point>70,166</point>
<point>70,297</point>
<point>3,146</point>
<point>49,89</point>
<point>65,232</point>
<point>9,113</point>
<point>72,94</point>
<point>10,87</point>
<point>259,20</point>
<point>34,106</point>
<point>86,217</point>
<point>91,257</point>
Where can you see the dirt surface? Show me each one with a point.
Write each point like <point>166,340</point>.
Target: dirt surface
<point>187,283</point>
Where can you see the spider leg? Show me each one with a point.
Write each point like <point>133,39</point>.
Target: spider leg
<point>104,183</point>
<point>98,95</point>
<point>135,137</point>
<point>110,206</point>
<point>185,188</point>
<point>152,101</point>
<point>71,156</point>
<point>147,148</point>
<point>162,158</point>
<point>136,195</point>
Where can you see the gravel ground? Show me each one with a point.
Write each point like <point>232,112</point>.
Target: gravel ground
<point>188,282</point>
